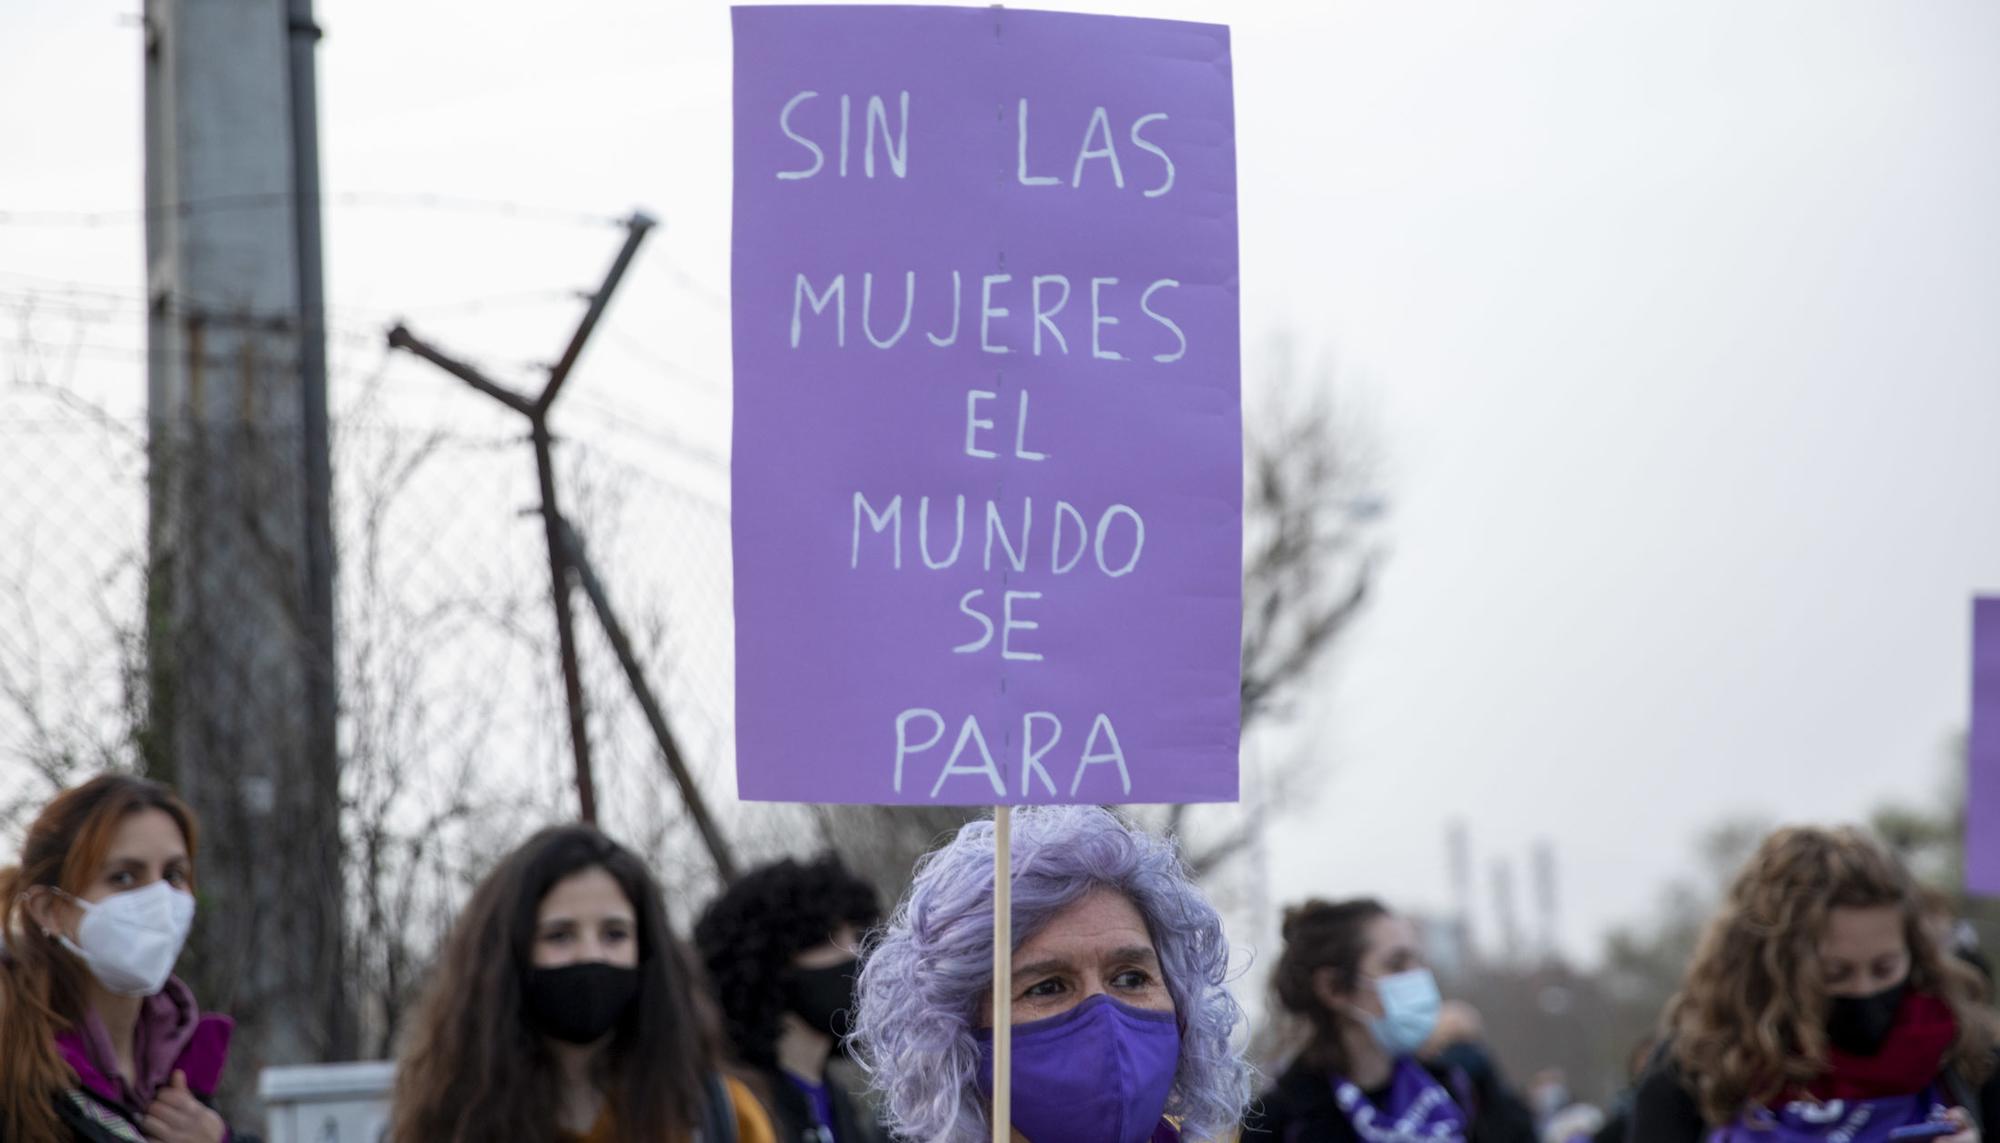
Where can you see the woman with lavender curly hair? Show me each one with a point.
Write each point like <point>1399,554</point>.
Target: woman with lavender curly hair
<point>1121,1018</point>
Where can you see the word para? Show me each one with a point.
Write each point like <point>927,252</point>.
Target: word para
<point>1100,748</point>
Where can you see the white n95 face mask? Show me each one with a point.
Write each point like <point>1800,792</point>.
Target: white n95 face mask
<point>131,940</point>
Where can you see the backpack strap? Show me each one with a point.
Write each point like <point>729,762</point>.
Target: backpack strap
<point>718,1117</point>
<point>1660,1056</point>
<point>1458,1083</point>
<point>1964,1096</point>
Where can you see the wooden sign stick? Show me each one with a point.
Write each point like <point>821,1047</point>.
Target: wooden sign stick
<point>1003,975</point>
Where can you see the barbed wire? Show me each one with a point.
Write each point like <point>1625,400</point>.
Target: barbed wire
<point>124,314</point>
<point>351,324</point>
<point>438,565</point>
<point>456,575</point>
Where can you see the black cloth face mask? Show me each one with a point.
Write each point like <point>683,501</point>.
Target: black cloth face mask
<point>824,997</point>
<point>578,1003</point>
<point>1858,1025</point>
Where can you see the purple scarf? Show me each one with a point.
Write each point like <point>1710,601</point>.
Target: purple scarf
<point>171,1035</point>
<point>1418,1110</point>
<point>1832,1121</point>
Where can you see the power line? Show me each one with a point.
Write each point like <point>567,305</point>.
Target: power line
<point>78,296</point>
<point>473,305</point>
<point>656,436</point>
<point>27,346</point>
<point>648,356</point>
<point>99,304</point>
<point>355,325</point>
<point>129,310</point>
<point>43,289</point>
<point>275,200</point>
<point>693,285</point>
<point>86,417</point>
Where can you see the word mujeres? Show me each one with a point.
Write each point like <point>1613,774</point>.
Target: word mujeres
<point>1046,324</point>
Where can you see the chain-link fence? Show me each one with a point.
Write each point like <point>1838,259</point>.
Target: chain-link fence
<point>453,729</point>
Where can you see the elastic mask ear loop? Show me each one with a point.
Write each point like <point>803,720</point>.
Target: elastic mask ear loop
<point>61,939</point>
<point>1346,1009</point>
<point>1356,1012</point>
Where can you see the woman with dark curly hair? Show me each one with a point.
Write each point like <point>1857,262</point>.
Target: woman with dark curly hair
<point>1818,1007</point>
<point>780,945</point>
<point>564,1011</point>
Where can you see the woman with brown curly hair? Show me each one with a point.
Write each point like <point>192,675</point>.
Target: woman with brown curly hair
<point>1818,1007</point>
<point>564,1011</point>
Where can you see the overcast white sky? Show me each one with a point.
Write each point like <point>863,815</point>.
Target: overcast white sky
<point>1677,322</point>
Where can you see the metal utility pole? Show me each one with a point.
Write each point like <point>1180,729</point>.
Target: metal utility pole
<point>566,553</point>
<point>1458,847</point>
<point>240,633</point>
<point>1545,899</point>
<point>1503,905</point>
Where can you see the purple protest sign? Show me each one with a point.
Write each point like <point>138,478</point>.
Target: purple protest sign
<point>1982,795</point>
<point>988,444</point>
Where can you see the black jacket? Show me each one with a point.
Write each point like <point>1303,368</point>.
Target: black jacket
<point>91,1119</point>
<point>1664,1110</point>
<point>1301,1108</point>
<point>792,1116</point>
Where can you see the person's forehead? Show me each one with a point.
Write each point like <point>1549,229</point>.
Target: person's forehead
<point>1389,943</point>
<point>1101,921</point>
<point>146,836</point>
<point>1391,933</point>
<point>590,893</point>
<point>1863,931</point>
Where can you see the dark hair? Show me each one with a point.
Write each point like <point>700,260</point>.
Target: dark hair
<point>749,935</point>
<point>1322,935</point>
<point>42,990</point>
<point>473,1070</point>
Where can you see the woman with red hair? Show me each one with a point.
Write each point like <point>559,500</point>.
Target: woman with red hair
<point>98,1040</point>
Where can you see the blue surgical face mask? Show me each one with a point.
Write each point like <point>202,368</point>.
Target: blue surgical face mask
<point>1410,1004</point>
<point>1099,1073</point>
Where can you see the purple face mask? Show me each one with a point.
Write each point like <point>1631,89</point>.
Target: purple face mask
<point>1098,1073</point>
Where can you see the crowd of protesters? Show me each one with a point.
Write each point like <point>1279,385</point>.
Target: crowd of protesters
<point>1830,1000</point>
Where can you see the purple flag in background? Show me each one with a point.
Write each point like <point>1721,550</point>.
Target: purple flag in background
<point>988,448</point>
<point>1982,797</point>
